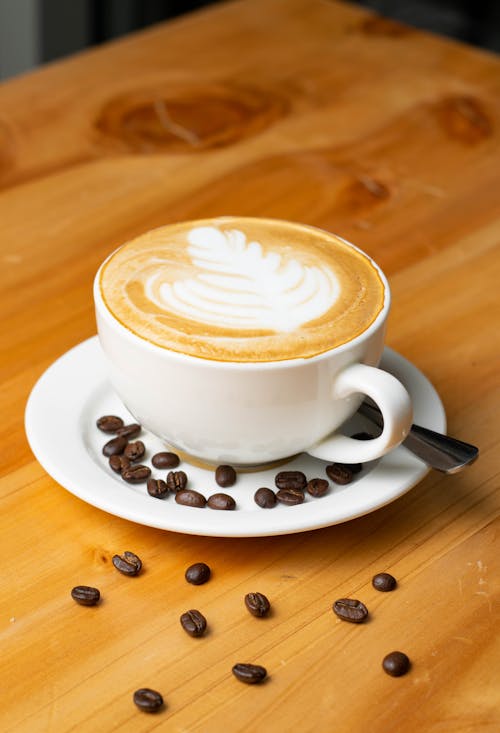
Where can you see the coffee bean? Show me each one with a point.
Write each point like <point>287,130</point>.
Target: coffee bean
<point>317,486</point>
<point>290,497</point>
<point>189,497</point>
<point>339,473</point>
<point>221,501</point>
<point>165,460</point>
<point>350,609</point>
<point>194,623</point>
<point>109,423</point>
<point>362,436</point>
<point>128,563</point>
<point>135,451</point>
<point>198,573</point>
<point>115,447</point>
<point>384,582</point>
<point>136,474</point>
<point>129,431</point>
<point>176,480</point>
<point>355,467</point>
<point>119,463</point>
<point>396,664</point>
<point>265,498</point>
<point>249,673</point>
<point>149,701</point>
<point>291,480</point>
<point>157,488</point>
<point>225,476</point>
<point>257,604</point>
<point>85,595</point>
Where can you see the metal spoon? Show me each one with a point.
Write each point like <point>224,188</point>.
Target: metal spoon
<point>439,451</point>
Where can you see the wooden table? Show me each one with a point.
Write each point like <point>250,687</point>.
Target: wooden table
<point>302,109</point>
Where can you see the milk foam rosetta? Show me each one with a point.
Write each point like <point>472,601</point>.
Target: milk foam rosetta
<point>242,289</point>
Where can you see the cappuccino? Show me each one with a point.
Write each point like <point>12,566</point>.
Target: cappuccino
<point>239,289</point>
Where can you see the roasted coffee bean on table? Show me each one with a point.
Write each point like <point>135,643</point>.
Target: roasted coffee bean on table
<point>176,480</point>
<point>339,473</point>
<point>189,497</point>
<point>136,473</point>
<point>129,431</point>
<point>265,498</point>
<point>194,623</point>
<point>396,664</point>
<point>134,451</point>
<point>350,609</point>
<point>119,463</point>
<point>317,486</point>
<point>258,604</point>
<point>249,673</point>
<point>165,459</point>
<point>128,563</point>
<point>290,497</point>
<point>85,595</point>
<point>384,582</point>
<point>198,573</point>
<point>291,480</point>
<point>221,501</point>
<point>109,423</point>
<point>157,488</point>
<point>225,476</point>
<point>115,447</point>
<point>147,700</point>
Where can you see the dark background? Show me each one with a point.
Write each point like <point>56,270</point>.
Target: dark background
<point>33,32</point>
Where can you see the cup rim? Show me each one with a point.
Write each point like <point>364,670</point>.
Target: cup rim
<point>182,358</point>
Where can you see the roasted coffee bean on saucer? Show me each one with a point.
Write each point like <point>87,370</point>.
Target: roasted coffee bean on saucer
<point>339,473</point>
<point>147,700</point>
<point>362,436</point>
<point>350,609</point>
<point>317,487</point>
<point>251,674</point>
<point>176,480</point>
<point>115,447</point>
<point>225,476</point>
<point>194,623</point>
<point>221,501</point>
<point>85,595</point>
<point>189,497</point>
<point>136,473</point>
<point>384,582</point>
<point>128,563</point>
<point>290,497</point>
<point>157,488</point>
<point>109,423</point>
<point>291,480</point>
<point>396,664</point>
<point>197,574</point>
<point>135,451</point>
<point>258,604</point>
<point>165,459</point>
<point>119,463</point>
<point>265,498</point>
<point>129,431</point>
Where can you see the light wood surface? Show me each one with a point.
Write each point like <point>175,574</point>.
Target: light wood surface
<point>306,110</point>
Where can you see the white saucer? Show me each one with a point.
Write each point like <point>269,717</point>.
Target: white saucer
<point>73,392</point>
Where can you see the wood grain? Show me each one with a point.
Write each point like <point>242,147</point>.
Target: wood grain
<point>309,110</point>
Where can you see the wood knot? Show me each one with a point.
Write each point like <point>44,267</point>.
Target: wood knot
<point>377,25</point>
<point>463,118</point>
<point>360,193</point>
<point>187,118</point>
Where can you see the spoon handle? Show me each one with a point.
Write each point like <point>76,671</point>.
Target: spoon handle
<point>441,452</point>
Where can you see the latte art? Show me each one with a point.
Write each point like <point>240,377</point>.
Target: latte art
<point>242,289</point>
<point>237,286</point>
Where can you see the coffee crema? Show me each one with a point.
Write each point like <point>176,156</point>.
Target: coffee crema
<point>240,289</point>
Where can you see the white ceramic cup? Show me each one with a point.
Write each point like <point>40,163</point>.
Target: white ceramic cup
<point>248,414</point>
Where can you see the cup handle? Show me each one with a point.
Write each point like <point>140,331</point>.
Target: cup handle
<point>394,403</point>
